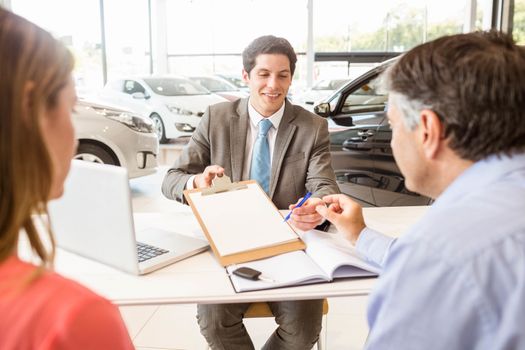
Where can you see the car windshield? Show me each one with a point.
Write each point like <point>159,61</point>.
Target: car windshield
<point>214,85</point>
<point>175,87</point>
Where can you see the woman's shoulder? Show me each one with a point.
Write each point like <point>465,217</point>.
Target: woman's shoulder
<point>46,291</point>
<point>26,281</point>
<point>67,295</point>
<point>59,311</point>
<point>88,318</point>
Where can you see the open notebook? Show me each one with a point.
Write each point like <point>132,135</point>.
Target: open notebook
<point>327,256</point>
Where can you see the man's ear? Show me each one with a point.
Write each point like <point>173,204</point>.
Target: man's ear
<point>431,133</point>
<point>245,76</point>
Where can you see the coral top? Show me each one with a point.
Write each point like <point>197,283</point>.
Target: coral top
<point>52,312</point>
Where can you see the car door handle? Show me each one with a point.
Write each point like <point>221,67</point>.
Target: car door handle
<point>366,133</point>
<point>356,143</point>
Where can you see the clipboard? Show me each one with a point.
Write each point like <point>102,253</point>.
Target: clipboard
<point>241,222</point>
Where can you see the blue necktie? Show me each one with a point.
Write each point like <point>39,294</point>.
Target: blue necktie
<point>260,168</point>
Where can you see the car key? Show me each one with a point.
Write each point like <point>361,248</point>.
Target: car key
<point>251,274</point>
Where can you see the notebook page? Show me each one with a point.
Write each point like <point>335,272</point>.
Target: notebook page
<point>287,269</point>
<point>336,256</point>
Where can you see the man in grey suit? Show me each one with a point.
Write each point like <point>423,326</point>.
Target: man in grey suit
<point>289,155</point>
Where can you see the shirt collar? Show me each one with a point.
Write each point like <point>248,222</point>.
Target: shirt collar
<point>256,117</point>
<point>481,174</point>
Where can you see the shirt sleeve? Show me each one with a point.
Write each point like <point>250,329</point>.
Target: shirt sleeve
<point>94,324</point>
<point>374,245</point>
<point>422,302</point>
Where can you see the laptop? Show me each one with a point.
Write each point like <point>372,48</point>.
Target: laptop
<point>94,219</point>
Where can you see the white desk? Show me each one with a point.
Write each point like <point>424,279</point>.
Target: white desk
<point>200,279</point>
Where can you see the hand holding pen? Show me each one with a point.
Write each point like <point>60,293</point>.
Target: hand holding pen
<point>305,198</point>
<point>303,214</point>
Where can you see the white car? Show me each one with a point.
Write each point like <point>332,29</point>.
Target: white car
<point>236,81</point>
<point>113,136</point>
<point>220,86</point>
<point>174,104</point>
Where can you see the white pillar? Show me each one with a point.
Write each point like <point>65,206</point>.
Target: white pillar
<point>310,45</point>
<point>507,11</point>
<point>6,4</point>
<point>160,44</point>
<point>470,16</point>
<point>502,16</point>
<point>486,9</point>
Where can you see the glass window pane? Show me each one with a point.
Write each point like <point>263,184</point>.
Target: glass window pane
<point>384,25</point>
<point>79,30</point>
<point>368,98</point>
<point>518,31</point>
<point>214,27</point>
<point>127,37</point>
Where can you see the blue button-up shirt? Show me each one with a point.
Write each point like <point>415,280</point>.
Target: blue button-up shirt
<point>456,279</point>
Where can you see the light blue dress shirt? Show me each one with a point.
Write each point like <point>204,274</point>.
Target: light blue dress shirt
<point>456,279</point>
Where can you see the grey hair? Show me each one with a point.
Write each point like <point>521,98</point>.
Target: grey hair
<point>409,109</point>
<point>474,84</point>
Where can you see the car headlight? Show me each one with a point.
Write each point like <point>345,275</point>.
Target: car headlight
<point>134,122</point>
<point>179,110</point>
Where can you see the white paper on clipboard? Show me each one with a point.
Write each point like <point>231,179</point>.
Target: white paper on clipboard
<point>241,220</point>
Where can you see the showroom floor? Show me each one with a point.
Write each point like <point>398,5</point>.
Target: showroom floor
<point>175,326</point>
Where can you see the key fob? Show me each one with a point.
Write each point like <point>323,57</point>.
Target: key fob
<point>247,272</point>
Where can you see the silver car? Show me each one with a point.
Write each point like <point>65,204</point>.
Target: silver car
<point>174,104</point>
<point>113,136</point>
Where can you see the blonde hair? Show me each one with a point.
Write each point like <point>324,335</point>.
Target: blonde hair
<point>34,68</point>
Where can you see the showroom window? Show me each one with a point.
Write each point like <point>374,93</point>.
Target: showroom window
<point>208,36</point>
<point>215,30</point>
<point>518,30</point>
<point>127,37</point>
<point>78,27</point>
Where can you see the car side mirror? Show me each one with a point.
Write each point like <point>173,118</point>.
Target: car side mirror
<point>322,109</point>
<point>139,96</point>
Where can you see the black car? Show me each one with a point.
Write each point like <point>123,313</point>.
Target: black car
<point>360,143</point>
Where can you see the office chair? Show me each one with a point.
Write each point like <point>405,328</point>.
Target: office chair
<point>262,309</point>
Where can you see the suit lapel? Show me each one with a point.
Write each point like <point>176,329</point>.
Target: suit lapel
<point>282,141</point>
<point>238,133</point>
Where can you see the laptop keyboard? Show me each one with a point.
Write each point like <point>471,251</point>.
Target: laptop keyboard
<point>146,251</point>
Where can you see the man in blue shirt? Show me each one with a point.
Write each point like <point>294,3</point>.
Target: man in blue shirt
<point>456,280</point>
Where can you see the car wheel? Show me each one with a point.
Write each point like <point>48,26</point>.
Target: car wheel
<point>94,153</point>
<point>158,126</point>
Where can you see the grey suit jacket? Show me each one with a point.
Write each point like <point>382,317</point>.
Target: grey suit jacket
<point>301,158</point>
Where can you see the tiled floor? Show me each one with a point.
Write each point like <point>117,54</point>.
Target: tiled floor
<point>175,326</point>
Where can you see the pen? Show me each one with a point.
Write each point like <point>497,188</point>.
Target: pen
<point>305,198</point>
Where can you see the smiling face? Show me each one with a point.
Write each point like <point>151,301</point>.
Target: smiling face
<point>269,81</point>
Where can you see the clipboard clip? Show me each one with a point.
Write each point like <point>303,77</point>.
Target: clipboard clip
<point>222,184</point>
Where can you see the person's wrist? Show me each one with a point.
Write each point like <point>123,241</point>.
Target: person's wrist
<point>357,233</point>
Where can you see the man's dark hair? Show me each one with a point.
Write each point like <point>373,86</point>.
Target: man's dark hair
<point>268,44</point>
<point>475,83</point>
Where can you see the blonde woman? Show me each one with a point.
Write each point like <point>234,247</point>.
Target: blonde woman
<point>40,309</point>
